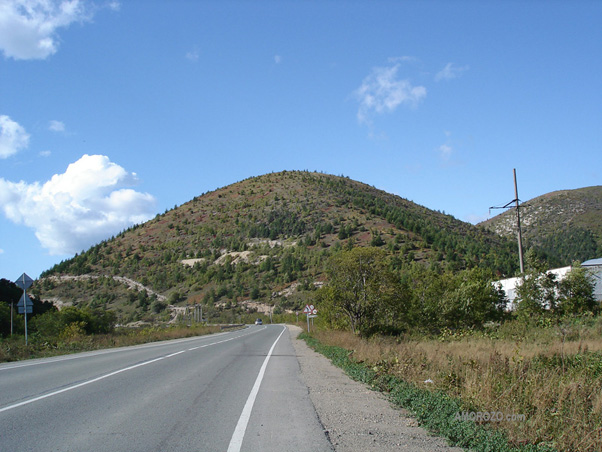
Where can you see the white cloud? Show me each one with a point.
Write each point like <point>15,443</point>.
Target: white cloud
<point>74,210</point>
<point>381,92</point>
<point>13,137</point>
<point>445,151</point>
<point>1,251</point>
<point>56,126</point>
<point>450,71</point>
<point>115,6</point>
<point>277,59</point>
<point>45,153</point>
<point>28,28</point>
<point>193,55</point>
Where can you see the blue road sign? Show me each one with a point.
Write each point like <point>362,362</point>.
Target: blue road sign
<point>25,304</point>
<point>24,281</point>
<point>25,301</point>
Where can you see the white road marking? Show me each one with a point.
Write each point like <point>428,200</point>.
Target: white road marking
<point>56,359</point>
<point>241,426</point>
<point>111,374</point>
<point>79,385</point>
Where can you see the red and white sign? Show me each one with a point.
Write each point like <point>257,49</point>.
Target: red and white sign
<point>310,309</point>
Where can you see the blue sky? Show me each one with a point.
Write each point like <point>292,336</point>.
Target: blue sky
<point>114,111</point>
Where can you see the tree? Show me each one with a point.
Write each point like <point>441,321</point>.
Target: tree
<point>174,297</point>
<point>86,321</point>
<point>426,289</point>
<point>472,300</point>
<point>361,290</point>
<point>9,293</point>
<point>377,239</point>
<point>537,291</point>
<point>541,293</point>
<point>576,292</point>
<point>158,306</point>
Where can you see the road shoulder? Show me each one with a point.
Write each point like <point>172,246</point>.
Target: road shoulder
<point>355,417</point>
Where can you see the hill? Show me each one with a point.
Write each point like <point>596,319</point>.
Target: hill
<point>260,243</point>
<point>566,225</point>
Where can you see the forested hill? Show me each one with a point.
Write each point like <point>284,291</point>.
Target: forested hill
<point>566,225</point>
<point>268,237</point>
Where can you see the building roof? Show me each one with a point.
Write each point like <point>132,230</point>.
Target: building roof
<point>592,263</point>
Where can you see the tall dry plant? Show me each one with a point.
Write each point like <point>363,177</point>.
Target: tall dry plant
<point>550,390</point>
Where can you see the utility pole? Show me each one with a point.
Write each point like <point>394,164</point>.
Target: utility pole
<point>520,237</point>
<point>517,206</point>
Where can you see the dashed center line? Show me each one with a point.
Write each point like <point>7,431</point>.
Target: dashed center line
<point>111,374</point>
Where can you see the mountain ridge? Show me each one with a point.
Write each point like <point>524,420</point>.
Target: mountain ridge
<point>565,224</point>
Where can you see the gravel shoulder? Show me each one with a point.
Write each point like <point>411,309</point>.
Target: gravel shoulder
<point>356,418</point>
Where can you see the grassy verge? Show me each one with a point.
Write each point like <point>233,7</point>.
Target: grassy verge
<point>15,349</point>
<point>545,401</point>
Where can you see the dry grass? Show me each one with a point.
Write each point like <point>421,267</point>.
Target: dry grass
<point>14,349</point>
<point>554,382</point>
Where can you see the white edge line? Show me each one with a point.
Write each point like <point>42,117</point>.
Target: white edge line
<point>79,385</point>
<point>241,426</point>
<point>61,358</point>
<point>91,354</point>
<point>102,377</point>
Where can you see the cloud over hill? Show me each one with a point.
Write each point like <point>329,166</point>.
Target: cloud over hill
<point>73,210</point>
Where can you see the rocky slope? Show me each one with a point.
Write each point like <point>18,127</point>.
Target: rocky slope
<point>566,224</point>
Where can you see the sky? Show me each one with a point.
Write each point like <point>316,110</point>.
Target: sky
<point>114,111</point>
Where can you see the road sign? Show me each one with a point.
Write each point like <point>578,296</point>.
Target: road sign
<point>28,310</point>
<point>312,316</point>
<point>25,304</point>
<point>24,281</point>
<point>25,301</point>
<point>307,309</point>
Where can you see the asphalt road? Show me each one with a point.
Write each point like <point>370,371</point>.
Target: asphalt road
<point>240,390</point>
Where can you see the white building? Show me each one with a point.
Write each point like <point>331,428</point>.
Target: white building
<point>595,266</point>
<point>509,285</point>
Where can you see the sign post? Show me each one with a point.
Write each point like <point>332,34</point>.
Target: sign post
<point>25,305</point>
<point>310,313</point>
<point>307,317</point>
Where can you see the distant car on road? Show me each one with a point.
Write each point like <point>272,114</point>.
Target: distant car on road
<point>258,322</point>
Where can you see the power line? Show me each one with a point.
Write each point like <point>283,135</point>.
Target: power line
<point>517,206</point>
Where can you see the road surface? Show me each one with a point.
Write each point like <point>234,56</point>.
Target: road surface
<point>235,391</point>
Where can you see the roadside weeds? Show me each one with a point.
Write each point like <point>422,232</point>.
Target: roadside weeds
<point>13,349</point>
<point>435,410</point>
<point>356,418</point>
